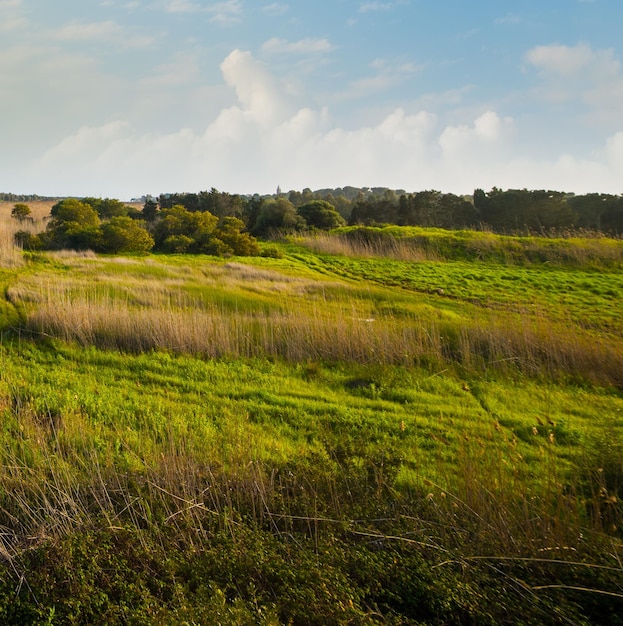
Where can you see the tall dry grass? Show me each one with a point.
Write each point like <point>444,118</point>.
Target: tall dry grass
<point>355,245</point>
<point>153,318</point>
<point>435,245</point>
<point>10,251</point>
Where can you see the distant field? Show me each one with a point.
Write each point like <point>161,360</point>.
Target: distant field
<point>340,435</point>
<point>40,209</point>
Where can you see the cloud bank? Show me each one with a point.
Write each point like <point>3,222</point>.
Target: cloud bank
<point>262,141</point>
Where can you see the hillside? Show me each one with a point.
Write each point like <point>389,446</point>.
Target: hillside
<point>391,425</point>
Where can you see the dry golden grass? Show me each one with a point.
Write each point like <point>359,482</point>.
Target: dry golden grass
<point>144,313</point>
<point>389,247</point>
<point>40,209</point>
<point>10,253</point>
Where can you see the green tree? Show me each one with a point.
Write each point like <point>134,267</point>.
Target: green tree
<point>27,240</point>
<point>74,225</point>
<point>603,212</point>
<point>178,220</point>
<point>150,210</point>
<point>277,214</point>
<point>321,214</point>
<point>180,230</point>
<point>21,212</point>
<point>73,210</point>
<point>123,234</point>
<point>176,244</point>
<point>108,207</point>
<point>229,231</point>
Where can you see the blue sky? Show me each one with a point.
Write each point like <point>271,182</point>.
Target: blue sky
<point>122,98</point>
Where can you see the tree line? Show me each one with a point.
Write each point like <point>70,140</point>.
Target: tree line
<point>220,223</point>
<point>212,223</point>
<point>514,211</point>
<point>508,212</point>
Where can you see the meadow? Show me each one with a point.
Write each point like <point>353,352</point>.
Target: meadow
<point>400,426</point>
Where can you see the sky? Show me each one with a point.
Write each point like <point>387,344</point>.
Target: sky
<point>123,98</point>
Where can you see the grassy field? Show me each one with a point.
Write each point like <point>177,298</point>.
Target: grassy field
<point>408,427</point>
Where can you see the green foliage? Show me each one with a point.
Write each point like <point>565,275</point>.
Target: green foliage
<point>321,214</point>
<point>21,212</point>
<point>272,252</point>
<point>107,208</point>
<point>73,211</point>
<point>229,232</point>
<point>176,244</point>
<point>180,230</point>
<point>74,225</point>
<point>28,241</point>
<point>150,211</point>
<point>123,234</point>
<point>277,215</point>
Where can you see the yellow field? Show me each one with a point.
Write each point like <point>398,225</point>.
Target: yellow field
<point>39,208</point>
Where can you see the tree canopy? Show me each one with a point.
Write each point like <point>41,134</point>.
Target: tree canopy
<point>321,214</point>
<point>21,212</point>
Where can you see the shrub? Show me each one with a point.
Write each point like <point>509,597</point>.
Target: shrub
<point>28,241</point>
<point>321,214</point>
<point>74,225</point>
<point>123,234</point>
<point>272,252</point>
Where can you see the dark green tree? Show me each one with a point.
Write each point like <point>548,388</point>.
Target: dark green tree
<point>597,211</point>
<point>277,215</point>
<point>320,214</point>
<point>74,225</point>
<point>107,207</point>
<point>150,210</point>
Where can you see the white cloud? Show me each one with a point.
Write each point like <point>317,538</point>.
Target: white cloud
<point>509,18</point>
<point>387,74</point>
<point>89,31</point>
<point>276,8</point>
<point>107,32</point>
<point>477,152</point>
<point>182,70</point>
<point>12,23</point>
<point>226,12</point>
<point>260,141</point>
<point>182,6</point>
<point>583,75</point>
<point>255,87</point>
<point>303,46</point>
<point>571,60</point>
<point>10,18</point>
<point>375,6</point>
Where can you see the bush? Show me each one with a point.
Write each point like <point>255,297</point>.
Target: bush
<point>321,214</point>
<point>28,241</point>
<point>176,244</point>
<point>123,234</point>
<point>74,225</point>
<point>272,252</point>
<point>21,212</point>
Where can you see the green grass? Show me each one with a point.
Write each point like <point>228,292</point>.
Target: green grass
<point>358,448</point>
